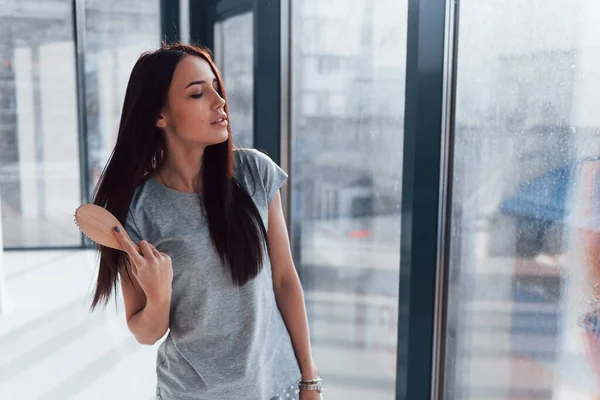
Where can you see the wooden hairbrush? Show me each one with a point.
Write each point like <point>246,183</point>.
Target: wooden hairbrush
<point>97,224</point>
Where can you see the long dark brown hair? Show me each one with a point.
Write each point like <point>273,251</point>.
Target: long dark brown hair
<point>235,225</point>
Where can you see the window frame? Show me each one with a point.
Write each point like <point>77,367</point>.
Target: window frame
<point>427,165</point>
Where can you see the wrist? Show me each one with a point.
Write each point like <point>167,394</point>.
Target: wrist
<point>309,372</point>
<point>159,301</point>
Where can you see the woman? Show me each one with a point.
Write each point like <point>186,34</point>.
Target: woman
<point>586,272</point>
<point>219,274</point>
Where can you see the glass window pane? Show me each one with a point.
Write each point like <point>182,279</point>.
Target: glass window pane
<point>524,248</point>
<point>39,157</point>
<point>348,69</point>
<point>116,35</point>
<point>51,347</point>
<point>234,53</point>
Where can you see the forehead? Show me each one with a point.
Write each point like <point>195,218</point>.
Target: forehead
<point>192,68</point>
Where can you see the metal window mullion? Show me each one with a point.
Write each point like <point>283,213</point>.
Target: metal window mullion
<point>425,199</point>
<point>285,109</point>
<point>267,71</point>
<point>230,8</point>
<point>169,20</point>
<point>202,18</point>
<point>440,354</point>
<point>78,17</point>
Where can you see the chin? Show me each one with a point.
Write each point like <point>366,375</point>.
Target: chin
<point>223,137</point>
<point>220,138</point>
<point>209,137</point>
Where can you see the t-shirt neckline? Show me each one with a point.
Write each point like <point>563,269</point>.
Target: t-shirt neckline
<point>167,189</point>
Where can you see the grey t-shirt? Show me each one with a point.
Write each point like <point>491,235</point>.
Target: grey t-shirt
<point>224,342</point>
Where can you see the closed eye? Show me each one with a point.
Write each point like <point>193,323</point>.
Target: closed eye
<point>196,96</point>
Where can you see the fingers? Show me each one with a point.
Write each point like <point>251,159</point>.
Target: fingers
<point>148,250</point>
<point>155,251</point>
<point>130,265</point>
<point>152,252</point>
<point>165,257</point>
<point>158,254</point>
<point>127,245</point>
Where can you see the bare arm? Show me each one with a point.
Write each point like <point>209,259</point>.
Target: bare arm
<point>148,321</point>
<point>147,315</point>
<point>288,290</point>
<point>589,238</point>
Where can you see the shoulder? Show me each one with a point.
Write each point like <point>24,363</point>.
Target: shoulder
<point>145,196</point>
<point>256,166</point>
<point>252,157</point>
<point>140,194</point>
<point>254,163</point>
<point>134,220</point>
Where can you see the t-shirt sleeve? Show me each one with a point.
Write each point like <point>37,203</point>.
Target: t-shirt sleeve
<point>132,229</point>
<point>271,175</point>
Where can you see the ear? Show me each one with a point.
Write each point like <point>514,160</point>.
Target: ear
<point>161,122</point>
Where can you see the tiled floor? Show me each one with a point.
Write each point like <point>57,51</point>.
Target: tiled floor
<point>52,348</point>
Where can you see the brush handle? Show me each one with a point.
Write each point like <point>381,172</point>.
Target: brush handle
<point>126,235</point>
<point>98,224</point>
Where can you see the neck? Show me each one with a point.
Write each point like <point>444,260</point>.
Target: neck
<point>180,169</point>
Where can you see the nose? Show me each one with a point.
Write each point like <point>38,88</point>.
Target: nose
<point>219,102</point>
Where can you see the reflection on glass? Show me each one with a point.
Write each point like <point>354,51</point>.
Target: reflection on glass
<point>50,345</point>
<point>116,35</point>
<point>234,53</point>
<point>347,115</point>
<point>39,158</point>
<point>523,322</point>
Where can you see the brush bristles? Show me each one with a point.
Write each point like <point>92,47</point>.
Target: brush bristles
<point>77,223</point>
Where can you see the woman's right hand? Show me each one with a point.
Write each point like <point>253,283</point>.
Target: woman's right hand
<point>152,269</point>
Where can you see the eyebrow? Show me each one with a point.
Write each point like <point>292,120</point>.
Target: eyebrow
<point>199,83</point>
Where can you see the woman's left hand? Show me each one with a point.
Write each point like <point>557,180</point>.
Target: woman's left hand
<point>310,395</point>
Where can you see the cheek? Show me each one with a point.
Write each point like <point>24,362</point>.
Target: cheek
<point>192,118</point>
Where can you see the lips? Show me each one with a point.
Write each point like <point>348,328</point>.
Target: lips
<point>220,120</point>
